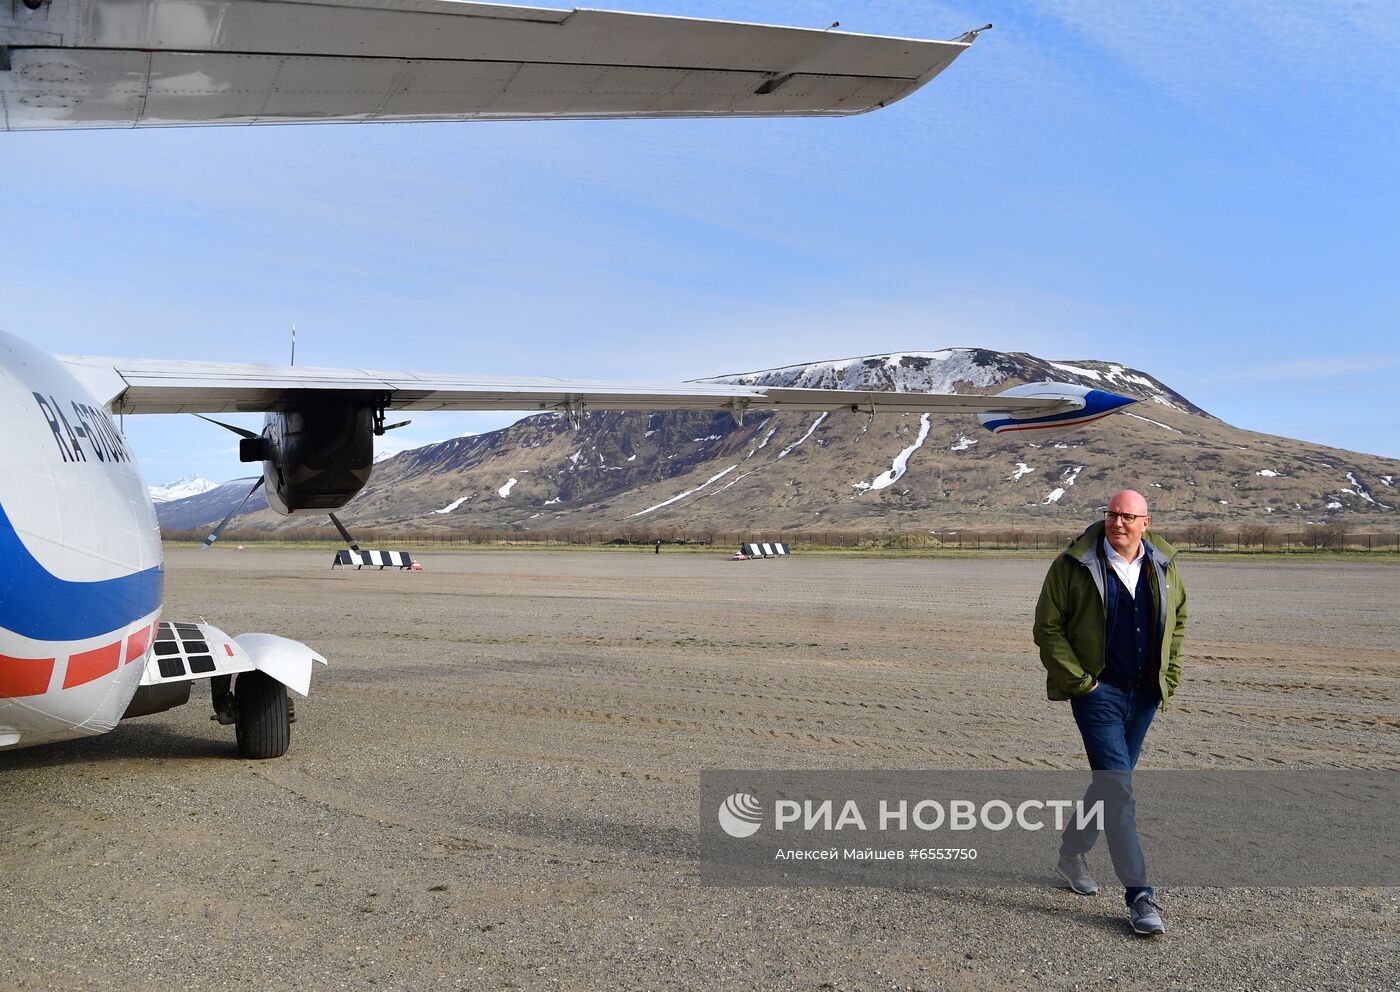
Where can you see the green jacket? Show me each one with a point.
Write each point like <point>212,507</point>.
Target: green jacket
<point>1071,621</point>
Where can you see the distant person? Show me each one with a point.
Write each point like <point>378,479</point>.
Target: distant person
<point>1110,623</point>
<point>658,547</point>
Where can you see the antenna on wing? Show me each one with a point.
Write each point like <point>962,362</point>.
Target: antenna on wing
<point>294,344</point>
<point>968,37</point>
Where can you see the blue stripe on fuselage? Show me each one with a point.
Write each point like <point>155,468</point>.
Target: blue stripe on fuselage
<point>38,605</point>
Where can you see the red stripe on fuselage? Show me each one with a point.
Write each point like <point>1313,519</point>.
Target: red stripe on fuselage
<point>24,676</point>
<point>1057,423</point>
<point>31,676</point>
<point>90,665</point>
<point>138,642</point>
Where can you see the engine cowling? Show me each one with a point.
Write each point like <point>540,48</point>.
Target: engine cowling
<point>1090,405</point>
<point>316,454</point>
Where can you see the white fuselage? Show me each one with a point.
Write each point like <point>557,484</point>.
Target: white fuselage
<point>80,556</point>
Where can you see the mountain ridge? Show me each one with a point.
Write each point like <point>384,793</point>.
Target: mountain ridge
<point>190,485</point>
<point>784,471</point>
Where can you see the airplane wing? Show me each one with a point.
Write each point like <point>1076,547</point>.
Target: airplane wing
<point>150,63</point>
<point>132,386</point>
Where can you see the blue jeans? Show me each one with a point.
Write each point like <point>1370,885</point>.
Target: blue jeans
<point>1113,723</point>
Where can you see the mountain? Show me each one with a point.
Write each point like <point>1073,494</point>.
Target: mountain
<point>190,485</point>
<point>845,470</point>
<point>202,510</point>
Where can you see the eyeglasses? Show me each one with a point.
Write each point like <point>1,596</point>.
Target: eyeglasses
<point>1127,518</point>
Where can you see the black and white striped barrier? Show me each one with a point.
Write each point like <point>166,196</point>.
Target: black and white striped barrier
<point>383,559</point>
<point>765,550</point>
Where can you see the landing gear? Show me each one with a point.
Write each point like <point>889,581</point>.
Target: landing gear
<point>225,706</point>
<point>264,723</point>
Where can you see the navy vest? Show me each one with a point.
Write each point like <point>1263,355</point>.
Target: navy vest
<point>1129,658</point>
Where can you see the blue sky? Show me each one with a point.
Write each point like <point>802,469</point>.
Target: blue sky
<point>1205,192</point>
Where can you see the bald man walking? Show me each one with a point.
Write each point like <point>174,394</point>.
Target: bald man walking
<point>1110,624</point>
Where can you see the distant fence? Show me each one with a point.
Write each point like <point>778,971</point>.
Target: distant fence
<point>1194,537</point>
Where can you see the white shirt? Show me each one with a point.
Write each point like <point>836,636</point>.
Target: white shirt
<point>1128,571</point>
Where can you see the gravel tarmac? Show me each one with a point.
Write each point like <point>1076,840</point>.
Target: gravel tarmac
<point>495,783</point>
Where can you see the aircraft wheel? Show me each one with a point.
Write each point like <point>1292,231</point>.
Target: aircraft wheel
<point>264,727</point>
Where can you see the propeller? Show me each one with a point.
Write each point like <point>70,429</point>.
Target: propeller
<point>241,432</point>
<point>214,534</point>
<point>344,533</point>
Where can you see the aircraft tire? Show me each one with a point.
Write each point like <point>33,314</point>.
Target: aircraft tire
<point>264,727</point>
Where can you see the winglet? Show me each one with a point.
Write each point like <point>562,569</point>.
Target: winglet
<point>1089,405</point>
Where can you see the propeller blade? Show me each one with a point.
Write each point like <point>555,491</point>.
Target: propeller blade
<point>228,427</point>
<point>344,533</point>
<point>214,534</point>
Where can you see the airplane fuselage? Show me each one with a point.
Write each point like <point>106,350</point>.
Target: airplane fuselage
<point>82,575</point>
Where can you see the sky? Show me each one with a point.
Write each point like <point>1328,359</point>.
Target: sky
<point>1203,192</point>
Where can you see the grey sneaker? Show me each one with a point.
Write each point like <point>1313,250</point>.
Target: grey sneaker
<point>1146,917</point>
<point>1074,869</point>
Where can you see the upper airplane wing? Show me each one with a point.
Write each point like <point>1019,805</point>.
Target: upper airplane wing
<point>142,63</point>
<point>153,386</point>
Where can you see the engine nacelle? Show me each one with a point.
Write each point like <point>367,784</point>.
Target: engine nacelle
<point>1090,404</point>
<point>316,454</point>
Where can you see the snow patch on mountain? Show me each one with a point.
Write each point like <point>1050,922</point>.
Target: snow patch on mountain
<point>738,478</point>
<point>901,461</point>
<point>190,485</point>
<point>1022,469</point>
<point>761,444</point>
<point>454,504</point>
<point>909,371</point>
<point>1067,477</point>
<point>964,442</point>
<point>1076,370</point>
<point>1267,473</point>
<point>504,491</point>
<point>714,478</point>
<point>1361,490</point>
<point>1154,423</point>
<point>1111,375</point>
<point>810,431</point>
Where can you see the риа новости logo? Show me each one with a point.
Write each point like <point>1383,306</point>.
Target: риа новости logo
<point>740,815</point>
